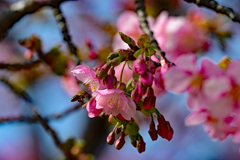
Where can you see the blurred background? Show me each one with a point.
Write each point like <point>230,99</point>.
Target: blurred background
<point>94,22</point>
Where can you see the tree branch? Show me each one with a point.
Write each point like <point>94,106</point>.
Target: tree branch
<point>26,97</point>
<point>213,5</point>
<point>19,9</point>
<point>142,16</point>
<point>19,66</point>
<point>64,29</point>
<point>34,119</point>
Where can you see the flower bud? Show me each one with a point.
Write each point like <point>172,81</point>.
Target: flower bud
<point>161,119</point>
<point>139,65</point>
<point>113,55</point>
<point>116,61</point>
<point>152,131</point>
<point>165,130</point>
<point>135,96</point>
<point>142,89</point>
<point>111,72</point>
<point>118,130</point>
<point>103,71</point>
<point>158,79</point>
<point>141,145</point>
<point>122,86</point>
<point>112,119</point>
<point>149,102</point>
<point>151,66</point>
<point>120,142</point>
<point>111,138</point>
<point>147,78</point>
<point>150,92</point>
<point>110,82</point>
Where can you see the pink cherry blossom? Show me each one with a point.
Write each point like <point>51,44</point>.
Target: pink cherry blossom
<point>113,101</point>
<point>91,108</point>
<point>87,76</point>
<point>178,35</point>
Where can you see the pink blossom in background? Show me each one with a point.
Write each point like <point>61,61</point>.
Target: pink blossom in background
<point>178,35</point>
<point>113,101</point>
<point>128,23</point>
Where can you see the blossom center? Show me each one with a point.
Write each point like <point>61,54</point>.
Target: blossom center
<point>197,81</point>
<point>235,92</point>
<point>114,101</point>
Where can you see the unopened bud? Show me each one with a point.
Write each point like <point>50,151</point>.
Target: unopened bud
<point>111,72</point>
<point>161,119</point>
<point>110,82</point>
<point>152,131</point>
<point>141,145</point>
<point>133,140</point>
<point>147,78</point>
<point>118,130</point>
<point>139,65</point>
<point>158,79</point>
<point>142,89</point>
<point>151,66</point>
<point>111,138</point>
<point>149,102</point>
<point>113,55</point>
<point>120,142</point>
<point>112,119</point>
<point>103,71</point>
<point>165,130</point>
<point>122,86</point>
<point>116,61</point>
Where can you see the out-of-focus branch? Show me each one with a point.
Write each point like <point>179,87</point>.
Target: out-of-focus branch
<point>19,9</point>
<point>20,92</point>
<point>213,5</point>
<point>142,16</point>
<point>64,29</point>
<point>19,66</point>
<point>34,119</point>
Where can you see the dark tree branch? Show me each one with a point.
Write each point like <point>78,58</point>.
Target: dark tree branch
<point>213,5</point>
<point>19,9</point>
<point>34,119</point>
<point>20,92</point>
<point>19,66</point>
<point>142,16</point>
<point>66,36</point>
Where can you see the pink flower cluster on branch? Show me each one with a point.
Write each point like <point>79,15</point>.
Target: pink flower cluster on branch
<point>121,101</point>
<point>213,94</point>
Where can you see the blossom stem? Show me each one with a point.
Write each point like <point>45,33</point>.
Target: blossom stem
<point>122,72</point>
<point>157,112</point>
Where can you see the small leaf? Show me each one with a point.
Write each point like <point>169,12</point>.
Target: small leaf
<point>143,40</point>
<point>129,41</point>
<point>129,85</point>
<point>136,76</point>
<point>138,52</point>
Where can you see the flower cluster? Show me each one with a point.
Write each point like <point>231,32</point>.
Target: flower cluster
<point>120,101</point>
<point>213,94</point>
<point>175,35</point>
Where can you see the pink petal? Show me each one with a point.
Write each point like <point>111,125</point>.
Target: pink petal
<point>196,118</point>
<point>176,80</point>
<point>234,72</point>
<point>210,68</point>
<point>187,62</point>
<point>109,91</point>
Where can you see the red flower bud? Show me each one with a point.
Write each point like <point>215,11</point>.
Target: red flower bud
<point>139,65</point>
<point>158,79</point>
<point>110,82</point>
<point>122,86</point>
<point>147,78</point>
<point>165,130</point>
<point>151,66</point>
<point>142,89</point>
<point>118,130</point>
<point>120,142</point>
<point>111,138</point>
<point>149,102</point>
<point>152,131</point>
<point>111,72</point>
<point>150,92</point>
<point>161,119</point>
<point>141,145</point>
<point>103,71</point>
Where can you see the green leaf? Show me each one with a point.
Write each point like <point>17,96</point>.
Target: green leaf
<point>112,55</point>
<point>150,49</point>
<point>129,85</point>
<point>136,76</point>
<point>138,52</point>
<point>128,40</point>
<point>143,40</point>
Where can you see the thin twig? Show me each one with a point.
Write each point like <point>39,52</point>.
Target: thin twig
<point>64,29</point>
<point>18,10</point>
<point>213,5</point>
<point>20,92</point>
<point>19,66</point>
<point>142,16</point>
<point>34,119</point>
